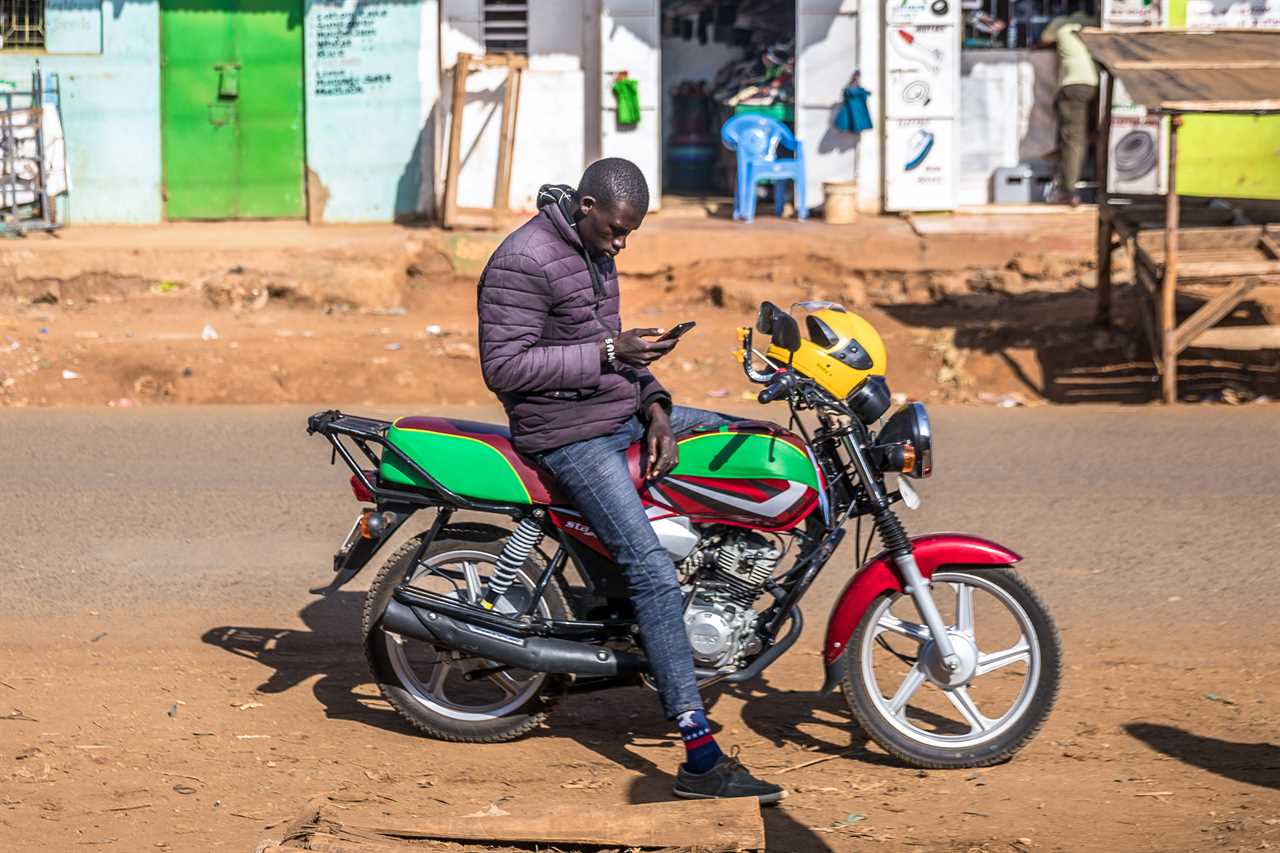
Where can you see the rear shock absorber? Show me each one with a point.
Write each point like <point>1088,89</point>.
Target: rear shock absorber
<point>527,535</point>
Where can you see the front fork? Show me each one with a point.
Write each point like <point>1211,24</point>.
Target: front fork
<point>919,589</point>
<point>899,545</point>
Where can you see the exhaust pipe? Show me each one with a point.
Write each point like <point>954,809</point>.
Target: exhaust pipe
<point>538,654</point>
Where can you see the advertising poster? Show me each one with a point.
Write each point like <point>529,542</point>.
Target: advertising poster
<point>921,12</point>
<point>919,77</point>
<point>1134,161</point>
<point>1133,13</point>
<point>1233,14</point>
<point>920,160</point>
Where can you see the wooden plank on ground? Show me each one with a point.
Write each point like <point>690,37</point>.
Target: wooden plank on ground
<point>325,843</point>
<point>1238,337</point>
<point>713,825</point>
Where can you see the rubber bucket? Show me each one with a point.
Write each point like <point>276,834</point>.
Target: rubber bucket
<point>841,204</point>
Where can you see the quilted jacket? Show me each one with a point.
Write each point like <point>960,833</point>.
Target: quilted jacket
<point>544,307</point>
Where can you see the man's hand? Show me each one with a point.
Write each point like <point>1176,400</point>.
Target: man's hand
<point>632,349</point>
<point>661,442</point>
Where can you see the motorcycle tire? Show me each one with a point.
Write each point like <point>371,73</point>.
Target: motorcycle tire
<point>1011,737</point>
<point>512,722</point>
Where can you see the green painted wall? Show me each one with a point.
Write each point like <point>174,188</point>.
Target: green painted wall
<point>1235,156</point>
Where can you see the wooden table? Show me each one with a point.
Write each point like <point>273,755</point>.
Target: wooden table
<point>1198,247</point>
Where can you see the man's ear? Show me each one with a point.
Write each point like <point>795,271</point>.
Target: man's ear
<point>586,203</point>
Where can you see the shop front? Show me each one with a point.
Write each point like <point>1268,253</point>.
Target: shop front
<point>969,102</point>
<point>691,65</point>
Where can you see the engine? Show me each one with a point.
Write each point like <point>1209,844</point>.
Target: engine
<point>728,571</point>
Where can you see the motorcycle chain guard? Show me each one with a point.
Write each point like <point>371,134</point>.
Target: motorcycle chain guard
<point>932,552</point>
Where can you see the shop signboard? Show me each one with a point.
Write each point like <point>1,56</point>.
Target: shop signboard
<point>1134,161</point>
<point>1133,13</point>
<point>1233,14</point>
<point>920,161</point>
<point>921,78</point>
<point>899,12</point>
<point>918,78</point>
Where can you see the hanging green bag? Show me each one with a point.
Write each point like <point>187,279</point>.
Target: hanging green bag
<point>626,92</point>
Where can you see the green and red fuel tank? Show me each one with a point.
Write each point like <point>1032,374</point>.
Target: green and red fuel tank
<point>748,473</point>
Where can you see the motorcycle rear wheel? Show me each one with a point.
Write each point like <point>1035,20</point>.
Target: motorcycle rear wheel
<point>428,686</point>
<point>932,718</point>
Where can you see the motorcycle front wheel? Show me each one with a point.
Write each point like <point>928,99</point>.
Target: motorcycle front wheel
<point>986,709</point>
<point>444,693</point>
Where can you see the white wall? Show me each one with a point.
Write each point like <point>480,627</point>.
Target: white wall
<point>870,145</point>
<point>549,143</point>
<point>827,35</point>
<point>1006,114</point>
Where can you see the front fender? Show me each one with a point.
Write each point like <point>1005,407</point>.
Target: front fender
<point>879,576</point>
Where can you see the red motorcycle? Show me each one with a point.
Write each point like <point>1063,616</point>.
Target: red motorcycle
<point>474,630</point>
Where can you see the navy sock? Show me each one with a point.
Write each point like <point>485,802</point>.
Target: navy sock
<point>701,750</point>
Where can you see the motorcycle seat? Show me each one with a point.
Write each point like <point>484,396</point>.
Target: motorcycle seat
<point>474,459</point>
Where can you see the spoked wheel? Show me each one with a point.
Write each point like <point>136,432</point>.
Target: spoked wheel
<point>979,714</point>
<point>449,694</point>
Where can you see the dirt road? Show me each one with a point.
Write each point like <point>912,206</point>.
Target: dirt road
<point>168,683</point>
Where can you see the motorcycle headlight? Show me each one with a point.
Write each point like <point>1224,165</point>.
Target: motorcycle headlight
<point>871,399</point>
<point>906,442</point>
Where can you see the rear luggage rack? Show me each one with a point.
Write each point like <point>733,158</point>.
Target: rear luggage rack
<point>363,432</point>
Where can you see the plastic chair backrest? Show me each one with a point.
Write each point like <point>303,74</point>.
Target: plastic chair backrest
<point>756,136</point>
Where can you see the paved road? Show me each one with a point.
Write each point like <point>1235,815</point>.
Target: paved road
<point>158,630</point>
<point>170,514</point>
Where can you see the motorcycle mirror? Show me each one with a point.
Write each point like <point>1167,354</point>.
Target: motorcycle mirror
<point>764,319</point>
<point>786,332</point>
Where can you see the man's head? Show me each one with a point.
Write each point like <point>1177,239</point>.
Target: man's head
<point>612,201</point>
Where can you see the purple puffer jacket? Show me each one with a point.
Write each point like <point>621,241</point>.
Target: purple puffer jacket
<point>543,312</point>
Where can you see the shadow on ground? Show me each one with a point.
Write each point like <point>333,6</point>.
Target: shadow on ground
<point>1080,362</point>
<point>622,726</point>
<point>329,647</point>
<point>1250,763</point>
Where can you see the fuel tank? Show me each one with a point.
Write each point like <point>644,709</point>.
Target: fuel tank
<point>749,474</point>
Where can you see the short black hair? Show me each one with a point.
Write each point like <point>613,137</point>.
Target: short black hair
<point>613,181</point>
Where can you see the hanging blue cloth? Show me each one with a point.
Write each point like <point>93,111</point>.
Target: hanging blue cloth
<point>853,115</point>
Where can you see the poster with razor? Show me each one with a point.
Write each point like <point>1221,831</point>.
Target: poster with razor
<point>920,164</point>
<point>919,78</point>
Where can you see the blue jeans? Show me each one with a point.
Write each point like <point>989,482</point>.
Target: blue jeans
<point>593,473</point>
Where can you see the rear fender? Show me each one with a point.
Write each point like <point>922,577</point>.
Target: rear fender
<point>357,551</point>
<point>879,576</point>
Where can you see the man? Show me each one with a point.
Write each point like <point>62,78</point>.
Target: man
<point>1077,92</point>
<point>578,393</point>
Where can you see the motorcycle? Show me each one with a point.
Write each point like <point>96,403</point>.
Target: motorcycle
<point>474,630</point>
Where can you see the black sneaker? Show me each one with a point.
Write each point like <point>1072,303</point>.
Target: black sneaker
<point>727,779</point>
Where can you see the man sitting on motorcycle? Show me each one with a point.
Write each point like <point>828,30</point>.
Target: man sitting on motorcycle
<point>578,393</point>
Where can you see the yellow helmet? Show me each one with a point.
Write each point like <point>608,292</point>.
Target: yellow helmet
<point>843,349</point>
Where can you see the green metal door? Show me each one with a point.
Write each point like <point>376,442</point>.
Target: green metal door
<point>231,81</point>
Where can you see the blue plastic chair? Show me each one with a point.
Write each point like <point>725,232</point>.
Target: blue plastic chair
<point>755,139</point>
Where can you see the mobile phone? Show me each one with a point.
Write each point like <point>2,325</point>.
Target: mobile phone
<point>677,330</point>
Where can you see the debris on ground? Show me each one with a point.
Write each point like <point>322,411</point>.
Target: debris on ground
<point>338,823</point>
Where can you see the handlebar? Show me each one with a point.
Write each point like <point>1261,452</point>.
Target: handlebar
<point>781,386</point>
